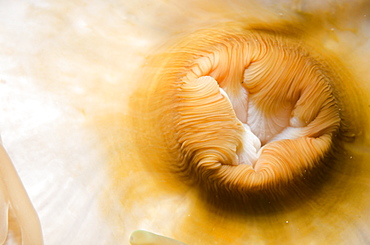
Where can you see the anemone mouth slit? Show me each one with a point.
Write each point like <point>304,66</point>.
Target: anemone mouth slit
<point>245,111</point>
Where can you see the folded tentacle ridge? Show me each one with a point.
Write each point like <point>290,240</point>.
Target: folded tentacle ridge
<point>244,110</point>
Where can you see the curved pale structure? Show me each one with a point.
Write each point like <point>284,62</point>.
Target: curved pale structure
<point>14,196</point>
<point>89,118</point>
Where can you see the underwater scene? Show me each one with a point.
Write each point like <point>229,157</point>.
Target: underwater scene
<point>185,122</point>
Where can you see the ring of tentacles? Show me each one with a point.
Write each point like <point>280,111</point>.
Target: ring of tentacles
<point>245,110</point>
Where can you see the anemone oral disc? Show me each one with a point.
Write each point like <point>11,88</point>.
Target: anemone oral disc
<point>232,90</point>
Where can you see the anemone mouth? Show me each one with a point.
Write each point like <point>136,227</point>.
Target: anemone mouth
<point>246,111</point>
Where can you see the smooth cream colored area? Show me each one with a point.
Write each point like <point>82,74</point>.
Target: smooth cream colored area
<point>147,238</point>
<point>87,141</point>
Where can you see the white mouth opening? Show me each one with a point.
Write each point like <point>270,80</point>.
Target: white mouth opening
<point>259,128</point>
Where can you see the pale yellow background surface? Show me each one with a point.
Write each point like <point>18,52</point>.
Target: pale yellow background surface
<point>68,70</point>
